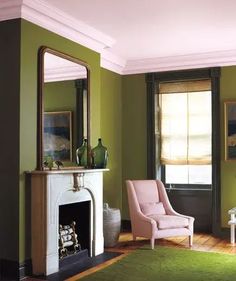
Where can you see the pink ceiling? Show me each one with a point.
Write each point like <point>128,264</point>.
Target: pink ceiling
<point>159,28</point>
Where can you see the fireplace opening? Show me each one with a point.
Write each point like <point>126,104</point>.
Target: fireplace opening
<point>74,222</point>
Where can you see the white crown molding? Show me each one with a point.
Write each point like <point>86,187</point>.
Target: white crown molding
<point>211,59</point>
<point>112,62</point>
<point>53,19</point>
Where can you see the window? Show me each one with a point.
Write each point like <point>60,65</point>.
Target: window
<point>185,122</point>
<point>181,198</point>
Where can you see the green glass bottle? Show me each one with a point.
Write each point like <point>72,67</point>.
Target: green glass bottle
<point>82,153</point>
<point>100,155</point>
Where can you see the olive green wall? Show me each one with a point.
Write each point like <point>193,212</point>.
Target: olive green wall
<point>111,122</point>
<point>134,135</point>
<point>9,148</point>
<point>61,96</point>
<point>123,130</point>
<point>32,38</point>
<point>228,168</point>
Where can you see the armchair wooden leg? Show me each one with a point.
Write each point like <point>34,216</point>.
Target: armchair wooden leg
<point>152,243</point>
<point>190,239</point>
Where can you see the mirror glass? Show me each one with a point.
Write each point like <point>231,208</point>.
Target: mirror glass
<point>63,108</point>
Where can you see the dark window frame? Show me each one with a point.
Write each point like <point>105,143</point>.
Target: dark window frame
<point>152,84</point>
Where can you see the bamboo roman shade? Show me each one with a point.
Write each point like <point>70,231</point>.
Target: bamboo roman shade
<point>185,120</point>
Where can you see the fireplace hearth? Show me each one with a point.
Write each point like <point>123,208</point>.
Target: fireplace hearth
<point>72,268</point>
<point>79,257</point>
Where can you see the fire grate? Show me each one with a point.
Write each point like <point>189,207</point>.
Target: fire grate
<point>68,240</point>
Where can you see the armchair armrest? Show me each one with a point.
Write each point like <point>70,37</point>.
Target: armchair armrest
<point>174,213</point>
<point>144,218</point>
<point>143,225</point>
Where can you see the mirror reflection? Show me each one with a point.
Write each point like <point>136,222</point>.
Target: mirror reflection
<point>64,116</point>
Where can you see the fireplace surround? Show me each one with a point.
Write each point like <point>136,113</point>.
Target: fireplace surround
<point>49,191</point>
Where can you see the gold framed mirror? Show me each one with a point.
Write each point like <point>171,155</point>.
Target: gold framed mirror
<point>63,107</point>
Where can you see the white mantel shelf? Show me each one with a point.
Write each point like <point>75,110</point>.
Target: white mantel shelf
<point>51,189</point>
<point>66,171</point>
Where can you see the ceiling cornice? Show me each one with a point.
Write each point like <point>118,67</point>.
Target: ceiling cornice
<point>112,62</point>
<point>210,59</point>
<point>53,19</point>
<point>47,16</point>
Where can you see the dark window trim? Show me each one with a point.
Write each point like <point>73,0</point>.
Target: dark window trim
<point>152,84</point>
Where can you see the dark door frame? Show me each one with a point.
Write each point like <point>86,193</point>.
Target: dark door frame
<point>152,84</point>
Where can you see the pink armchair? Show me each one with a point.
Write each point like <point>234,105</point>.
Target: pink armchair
<point>151,213</point>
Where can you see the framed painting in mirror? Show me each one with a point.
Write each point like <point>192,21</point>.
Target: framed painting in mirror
<point>58,136</point>
<point>230,129</point>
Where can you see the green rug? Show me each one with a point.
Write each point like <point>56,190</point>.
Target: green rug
<point>169,264</point>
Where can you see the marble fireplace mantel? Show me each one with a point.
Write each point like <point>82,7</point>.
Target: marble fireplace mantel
<point>49,190</point>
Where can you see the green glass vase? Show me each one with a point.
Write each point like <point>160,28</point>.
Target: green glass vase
<point>82,154</point>
<point>99,155</point>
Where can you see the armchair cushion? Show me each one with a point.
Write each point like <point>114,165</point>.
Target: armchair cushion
<point>167,221</point>
<point>152,208</point>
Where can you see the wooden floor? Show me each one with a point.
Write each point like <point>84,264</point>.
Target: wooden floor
<point>201,242</point>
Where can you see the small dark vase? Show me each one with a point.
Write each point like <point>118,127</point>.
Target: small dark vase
<point>99,155</point>
<point>82,154</point>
